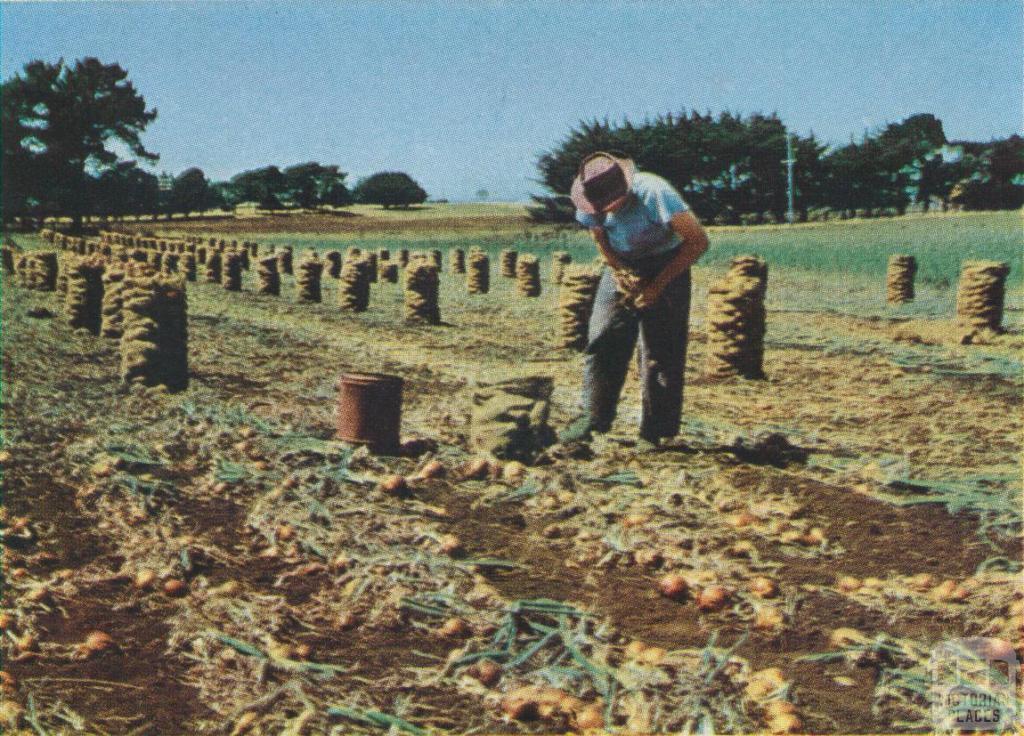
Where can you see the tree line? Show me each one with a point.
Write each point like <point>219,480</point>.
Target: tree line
<point>731,168</point>
<point>62,127</point>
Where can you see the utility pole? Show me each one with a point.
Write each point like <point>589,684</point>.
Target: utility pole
<point>789,161</point>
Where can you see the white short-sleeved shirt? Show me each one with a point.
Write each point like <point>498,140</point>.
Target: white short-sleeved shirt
<point>641,227</point>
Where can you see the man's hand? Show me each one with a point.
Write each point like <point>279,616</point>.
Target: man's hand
<point>638,293</point>
<point>648,294</point>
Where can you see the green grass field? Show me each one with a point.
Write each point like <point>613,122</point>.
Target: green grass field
<point>836,266</point>
<point>940,242</point>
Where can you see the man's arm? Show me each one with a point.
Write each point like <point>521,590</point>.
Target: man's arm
<point>629,284</point>
<point>600,236</point>
<point>693,246</point>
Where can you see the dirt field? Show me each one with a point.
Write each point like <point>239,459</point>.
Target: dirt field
<point>305,599</point>
<point>355,220</point>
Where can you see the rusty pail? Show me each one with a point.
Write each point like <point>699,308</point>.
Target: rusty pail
<point>370,410</point>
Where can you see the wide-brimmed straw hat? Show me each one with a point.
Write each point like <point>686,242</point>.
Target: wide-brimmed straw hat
<point>602,183</point>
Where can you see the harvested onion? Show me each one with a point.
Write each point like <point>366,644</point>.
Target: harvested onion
<point>764,587</point>
<point>144,579</point>
<point>648,557</point>
<point>394,484</point>
<point>652,656</point>
<point>451,544</point>
<point>814,537</point>
<point>768,618</point>
<point>103,468</point>
<point>921,582</point>
<point>712,598</point>
<point>433,469</point>
<point>791,536</point>
<point>37,594</point>
<point>742,548</point>
<point>227,588</point>
<point>520,709</point>
<point>175,588</point>
<point>26,643</point>
<point>776,708</point>
<point>522,704</point>
<point>845,636</point>
<point>673,586</point>
<point>743,519</point>
<point>280,650</point>
<point>849,584</point>
<point>764,683</point>
<point>10,713</point>
<point>244,723</point>
<point>590,718</point>
<point>513,472</point>
<point>453,628</point>
<point>948,591</point>
<point>95,642</point>
<point>635,648</point>
<point>346,620</point>
<point>487,672</point>
<point>785,723</point>
<point>476,469</point>
<point>635,520</point>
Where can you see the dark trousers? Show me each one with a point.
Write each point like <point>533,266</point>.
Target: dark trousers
<point>612,334</point>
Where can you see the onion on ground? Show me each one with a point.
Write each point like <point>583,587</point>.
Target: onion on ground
<point>712,598</point>
<point>674,586</point>
<point>486,672</point>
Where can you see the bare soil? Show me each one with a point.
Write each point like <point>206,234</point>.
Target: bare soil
<point>268,367</point>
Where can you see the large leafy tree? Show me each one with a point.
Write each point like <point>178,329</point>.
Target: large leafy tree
<point>726,167</point>
<point>809,175</point>
<point>125,189</point>
<point>904,150</point>
<point>390,189</point>
<point>60,123</point>
<point>991,175</point>
<point>190,192</point>
<point>264,186</point>
<point>312,184</point>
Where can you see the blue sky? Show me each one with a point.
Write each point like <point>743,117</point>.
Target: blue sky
<point>464,95</point>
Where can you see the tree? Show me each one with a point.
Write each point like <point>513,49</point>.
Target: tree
<point>337,195</point>
<point>903,152</point>
<point>994,176</point>
<point>390,189</point>
<point>808,175</point>
<point>558,209</point>
<point>63,118</point>
<point>726,167</point>
<point>221,195</point>
<point>312,185</point>
<point>190,192</point>
<point>125,189</point>
<point>21,191</point>
<point>264,186</point>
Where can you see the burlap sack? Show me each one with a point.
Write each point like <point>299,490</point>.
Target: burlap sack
<point>509,417</point>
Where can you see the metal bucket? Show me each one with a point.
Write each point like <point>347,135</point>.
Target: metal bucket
<point>370,410</point>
